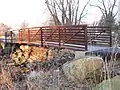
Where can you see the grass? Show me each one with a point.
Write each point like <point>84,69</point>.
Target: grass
<point>55,80</point>
<point>110,84</point>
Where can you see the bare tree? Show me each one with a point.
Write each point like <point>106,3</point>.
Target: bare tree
<point>66,12</point>
<point>24,24</point>
<point>107,8</point>
<point>4,28</point>
<point>49,21</point>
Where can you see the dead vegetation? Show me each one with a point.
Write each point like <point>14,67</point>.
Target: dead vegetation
<point>5,80</point>
<point>46,74</point>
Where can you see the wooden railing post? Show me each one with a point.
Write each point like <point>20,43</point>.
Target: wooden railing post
<point>86,37</point>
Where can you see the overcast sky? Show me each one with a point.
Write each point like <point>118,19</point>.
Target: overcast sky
<point>13,12</point>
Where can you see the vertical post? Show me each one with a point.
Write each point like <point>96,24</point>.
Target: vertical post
<point>28,36</point>
<point>11,36</point>
<point>21,39</point>
<point>19,36</point>
<point>110,36</point>
<point>65,37</point>
<point>5,39</point>
<point>11,42</point>
<point>86,37</point>
<point>51,34</point>
<point>41,37</point>
<point>59,37</point>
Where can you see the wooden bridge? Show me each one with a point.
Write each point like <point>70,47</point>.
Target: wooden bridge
<point>71,37</point>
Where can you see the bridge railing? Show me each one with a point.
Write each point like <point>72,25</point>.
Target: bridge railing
<point>71,37</point>
<point>58,36</point>
<point>99,35</point>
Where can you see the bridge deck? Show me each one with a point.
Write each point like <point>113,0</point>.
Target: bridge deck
<point>68,46</point>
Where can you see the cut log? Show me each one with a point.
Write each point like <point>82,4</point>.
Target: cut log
<point>22,47</point>
<point>31,54</point>
<point>38,54</point>
<point>19,60</point>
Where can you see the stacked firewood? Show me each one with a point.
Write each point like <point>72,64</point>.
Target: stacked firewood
<point>31,54</point>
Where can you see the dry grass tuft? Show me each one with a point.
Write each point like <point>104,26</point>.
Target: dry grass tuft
<point>5,80</point>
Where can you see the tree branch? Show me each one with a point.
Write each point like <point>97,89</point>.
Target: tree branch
<point>113,5</point>
<point>105,9</point>
<point>83,11</point>
<point>76,14</point>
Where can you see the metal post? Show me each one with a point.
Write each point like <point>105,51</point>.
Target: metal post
<point>5,39</point>
<point>59,37</point>
<point>110,37</point>
<point>19,36</point>
<point>11,36</point>
<point>41,37</point>
<point>86,37</point>
<point>28,36</point>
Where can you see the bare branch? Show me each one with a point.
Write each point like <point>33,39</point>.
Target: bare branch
<point>76,14</point>
<point>57,21</point>
<point>113,5</point>
<point>105,9</point>
<point>101,9</point>
<point>47,2</point>
<point>115,14</point>
<point>84,15</point>
<point>70,13</point>
<point>65,11</point>
<point>58,5</point>
<point>83,11</point>
<point>73,11</point>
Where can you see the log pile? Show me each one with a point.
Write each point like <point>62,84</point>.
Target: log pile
<point>31,54</point>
